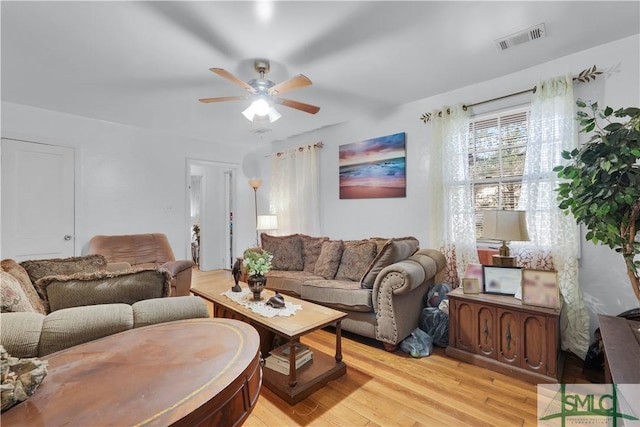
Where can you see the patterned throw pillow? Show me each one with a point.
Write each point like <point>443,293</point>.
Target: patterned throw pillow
<point>37,269</point>
<point>311,247</point>
<point>329,259</point>
<point>286,251</point>
<point>20,274</point>
<point>12,297</point>
<point>356,259</point>
<point>394,250</point>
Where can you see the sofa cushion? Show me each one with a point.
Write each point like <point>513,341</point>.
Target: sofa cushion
<point>311,248</point>
<point>392,251</point>
<point>104,287</point>
<point>338,294</point>
<point>37,269</point>
<point>158,310</point>
<point>289,282</point>
<point>21,333</point>
<point>21,275</point>
<point>286,251</point>
<point>12,296</point>
<point>68,327</point>
<point>356,259</point>
<point>329,259</point>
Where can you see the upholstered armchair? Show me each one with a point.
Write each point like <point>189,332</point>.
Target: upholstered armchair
<point>145,251</point>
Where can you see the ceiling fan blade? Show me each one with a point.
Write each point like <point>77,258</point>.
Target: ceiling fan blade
<point>227,75</point>
<point>223,98</point>
<point>291,84</point>
<point>307,108</point>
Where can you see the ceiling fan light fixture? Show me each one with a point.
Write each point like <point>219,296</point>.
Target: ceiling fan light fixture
<point>263,109</point>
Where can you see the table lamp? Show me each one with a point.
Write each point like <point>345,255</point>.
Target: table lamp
<point>505,225</point>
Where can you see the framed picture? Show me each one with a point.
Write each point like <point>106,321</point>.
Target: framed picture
<point>474,271</point>
<point>540,288</point>
<point>374,168</point>
<point>470,286</point>
<point>502,280</point>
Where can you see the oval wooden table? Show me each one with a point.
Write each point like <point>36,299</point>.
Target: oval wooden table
<point>197,372</point>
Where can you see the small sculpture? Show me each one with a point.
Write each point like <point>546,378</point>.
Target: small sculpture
<point>237,272</point>
<point>276,301</point>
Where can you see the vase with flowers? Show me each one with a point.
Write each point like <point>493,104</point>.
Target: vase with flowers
<point>257,264</point>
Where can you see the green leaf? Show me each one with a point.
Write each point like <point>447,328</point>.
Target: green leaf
<point>608,111</point>
<point>580,103</point>
<point>612,127</point>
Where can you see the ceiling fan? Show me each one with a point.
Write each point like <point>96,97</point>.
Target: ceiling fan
<point>263,92</point>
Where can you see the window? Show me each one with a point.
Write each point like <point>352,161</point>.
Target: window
<point>497,148</point>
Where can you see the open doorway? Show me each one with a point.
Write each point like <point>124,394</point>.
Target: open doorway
<point>210,204</point>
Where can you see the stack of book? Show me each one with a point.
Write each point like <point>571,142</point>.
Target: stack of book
<point>279,358</point>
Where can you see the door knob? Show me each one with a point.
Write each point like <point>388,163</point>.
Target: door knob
<point>67,237</point>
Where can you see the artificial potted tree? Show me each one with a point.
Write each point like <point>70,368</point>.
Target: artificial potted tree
<point>602,187</point>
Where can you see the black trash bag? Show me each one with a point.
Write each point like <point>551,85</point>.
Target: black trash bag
<point>418,344</point>
<point>436,294</point>
<point>435,323</point>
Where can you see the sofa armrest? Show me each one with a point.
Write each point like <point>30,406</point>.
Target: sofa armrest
<point>83,289</point>
<point>176,267</point>
<point>398,291</point>
<point>21,333</point>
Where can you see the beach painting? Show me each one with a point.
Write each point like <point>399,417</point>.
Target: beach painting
<point>374,168</point>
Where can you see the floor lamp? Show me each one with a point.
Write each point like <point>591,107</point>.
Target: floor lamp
<point>255,183</point>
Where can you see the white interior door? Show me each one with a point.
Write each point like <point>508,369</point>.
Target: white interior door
<point>216,245</point>
<point>37,201</point>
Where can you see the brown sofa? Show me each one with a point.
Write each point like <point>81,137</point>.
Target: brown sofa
<point>379,282</point>
<point>145,251</point>
<point>50,305</point>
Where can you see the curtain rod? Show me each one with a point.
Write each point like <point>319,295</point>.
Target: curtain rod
<point>302,147</point>
<point>585,76</point>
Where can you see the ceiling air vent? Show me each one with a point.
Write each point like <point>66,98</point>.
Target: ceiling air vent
<point>523,36</point>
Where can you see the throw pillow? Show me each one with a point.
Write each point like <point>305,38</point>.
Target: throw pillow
<point>394,250</point>
<point>104,287</point>
<point>311,247</point>
<point>329,259</point>
<point>12,297</point>
<point>20,274</point>
<point>37,269</point>
<point>286,251</point>
<point>356,259</point>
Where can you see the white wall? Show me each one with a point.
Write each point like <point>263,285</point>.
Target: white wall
<point>129,180</point>
<point>602,273</point>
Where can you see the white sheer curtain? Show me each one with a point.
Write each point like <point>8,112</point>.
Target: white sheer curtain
<point>453,228</point>
<point>554,236</point>
<point>295,190</point>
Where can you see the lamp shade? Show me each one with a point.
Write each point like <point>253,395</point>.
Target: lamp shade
<point>267,222</point>
<point>505,225</point>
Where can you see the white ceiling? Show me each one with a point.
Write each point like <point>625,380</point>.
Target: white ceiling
<point>146,63</point>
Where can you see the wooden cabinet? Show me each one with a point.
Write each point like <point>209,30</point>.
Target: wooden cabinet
<point>500,333</point>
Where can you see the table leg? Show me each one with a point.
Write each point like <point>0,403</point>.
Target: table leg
<point>338,341</point>
<point>292,364</point>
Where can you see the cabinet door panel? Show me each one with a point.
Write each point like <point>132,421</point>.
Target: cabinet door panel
<point>465,327</point>
<point>534,340</point>
<point>509,335</point>
<point>486,332</point>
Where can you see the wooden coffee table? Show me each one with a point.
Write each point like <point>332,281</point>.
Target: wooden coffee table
<point>302,382</point>
<point>203,372</point>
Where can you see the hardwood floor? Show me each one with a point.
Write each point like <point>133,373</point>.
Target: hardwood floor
<point>394,389</point>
